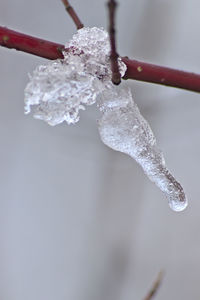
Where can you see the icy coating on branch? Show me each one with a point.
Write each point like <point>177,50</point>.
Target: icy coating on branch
<point>123,128</point>
<point>58,90</point>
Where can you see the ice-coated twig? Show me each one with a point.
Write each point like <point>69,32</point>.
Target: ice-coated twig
<point>136,70</point>
<point>72,14</point>
<point>155,287</point>
<point>57,92</point>
<point>116,77</point>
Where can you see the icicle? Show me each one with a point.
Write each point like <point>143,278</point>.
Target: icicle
<point>124,129</point>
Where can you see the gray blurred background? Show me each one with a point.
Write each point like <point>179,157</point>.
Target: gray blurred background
<point>79,221</point>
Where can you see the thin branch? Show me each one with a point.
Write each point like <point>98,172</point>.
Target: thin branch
<point>135,69</point>
<point>26,43</point>
<point>155,287</point>
<point>73,14</point>
<point>116,77</point>
<point>161,75</point>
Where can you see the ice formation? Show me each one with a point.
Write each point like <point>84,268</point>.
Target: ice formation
<point>57,92</point>
<point>123,128</point>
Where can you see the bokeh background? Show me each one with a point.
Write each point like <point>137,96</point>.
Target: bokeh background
<point>78,220</point>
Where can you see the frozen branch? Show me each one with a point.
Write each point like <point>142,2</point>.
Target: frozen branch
<point>116,77</point>
<point>135,69</point>
<point>73,14</point>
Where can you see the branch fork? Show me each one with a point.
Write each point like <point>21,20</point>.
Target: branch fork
<point>136,70</point>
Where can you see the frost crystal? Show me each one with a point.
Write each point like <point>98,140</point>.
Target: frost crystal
<point>124,129</point>
<point>58,91</point>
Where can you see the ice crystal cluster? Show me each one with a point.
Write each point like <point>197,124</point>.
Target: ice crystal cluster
<point>57,92</point>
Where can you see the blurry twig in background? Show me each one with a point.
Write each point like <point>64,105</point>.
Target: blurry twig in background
<point>116,77</point>
<point>72,14</point>
<point>155,286</point>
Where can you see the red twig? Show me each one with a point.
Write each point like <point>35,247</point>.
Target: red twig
<point>26,43</point>
<point>116,76</point>
<point>135,69</point>
<point>72,14</point>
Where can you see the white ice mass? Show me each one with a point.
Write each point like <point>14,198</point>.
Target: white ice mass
<point>58,90</point>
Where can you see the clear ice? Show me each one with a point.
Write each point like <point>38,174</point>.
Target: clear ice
<point>57,91</point>
<point>123,128</point>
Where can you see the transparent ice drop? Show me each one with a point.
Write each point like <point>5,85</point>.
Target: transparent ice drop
<point>123,128</point>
